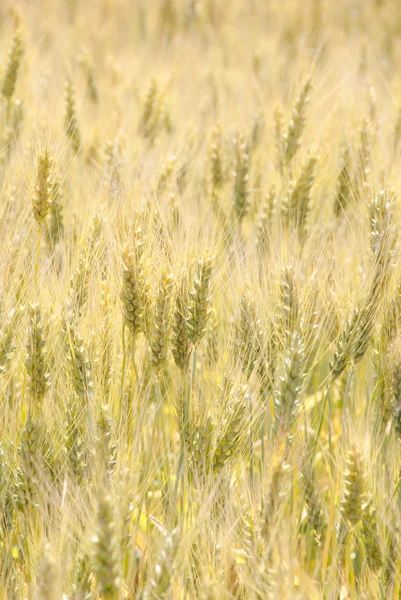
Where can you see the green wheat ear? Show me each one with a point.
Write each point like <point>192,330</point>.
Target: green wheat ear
<point>264,221</point>
<point>199,306</point>
<point>371,538</point>
<point>354,495</point>
<point>133,291</point>
<point>344,183</point>
<point>77,357</point>
<point>42,195</point>
<point>38,377</point>
<point>296,205</point>
<point>91,82</point>
<point>106,446</point>
<point>292,137</point>
<point>228,443</point>
<point>288,319</point>
<point>216,159</point>
<point>55,228</point>
<point>241,177</point>
<point>314,505</point>
<point>161,324</point>
<point>105,552</point>
<point>82,576</point>
<point>75,444</point>
<point>181,346</point>
<point>31,462</point>
<point>355,337</point>
<point>290,385</point>
<point>15,55</point>
<point>212,337</point>
<point>249,334</point>
<point>70,117</point>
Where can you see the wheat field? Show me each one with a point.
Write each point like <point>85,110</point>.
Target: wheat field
<point>200,299</point>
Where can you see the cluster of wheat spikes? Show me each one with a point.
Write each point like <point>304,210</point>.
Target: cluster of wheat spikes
<point>200,300</point>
